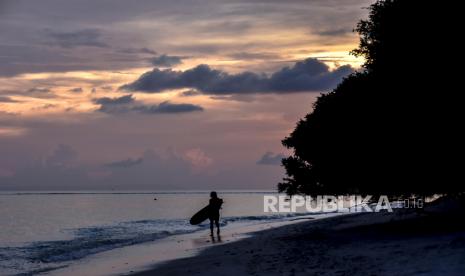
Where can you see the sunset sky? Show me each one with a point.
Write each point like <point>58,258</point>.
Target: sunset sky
<point>162,95</point>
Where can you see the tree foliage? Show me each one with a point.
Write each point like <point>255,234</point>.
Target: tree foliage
<point>395,126</point>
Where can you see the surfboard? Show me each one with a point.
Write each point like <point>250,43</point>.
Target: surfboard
<point>200,216</point>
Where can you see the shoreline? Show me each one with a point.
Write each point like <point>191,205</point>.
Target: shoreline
<point>141,257</point>
<point>405,242</point>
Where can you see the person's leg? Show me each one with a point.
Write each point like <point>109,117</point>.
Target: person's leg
<point>217,222</point>
<point>211,226</point>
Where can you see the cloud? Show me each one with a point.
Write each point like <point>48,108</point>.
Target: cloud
<point>142,50</point>
<point>4,99</point>
<point>106,88</point>
<point>270,158</point>
<point>61,171</point>
<point>127,163</point>
<point>245,98</point>
<point>189,93</point>
<point>45,106</point>
<point>34,58</point>
<point>127,104</point>
<point>85,37</point>
<point>50,55</point>
<point>309,75</point>
<point>76,90</point>
<point>198,159</point>
<point>39,90</point>
<point>334,32</point>
<point>35,92</point>
<point>223,28</point>
<point>254,55</point>
<point>167,107</point>
<point>62,156</point>
<point>160,169</point>
<point>115,101</point>
<point>115,105</point>
<point>166,61</point>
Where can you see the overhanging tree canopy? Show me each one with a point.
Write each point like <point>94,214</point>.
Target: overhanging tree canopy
<point>393,128</point>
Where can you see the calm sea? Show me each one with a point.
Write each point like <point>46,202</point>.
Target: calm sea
<point>41,231</point>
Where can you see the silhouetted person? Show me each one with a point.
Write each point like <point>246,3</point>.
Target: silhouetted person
<point>214,211</point>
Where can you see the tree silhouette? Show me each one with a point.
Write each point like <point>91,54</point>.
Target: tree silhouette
<point>393,128</point>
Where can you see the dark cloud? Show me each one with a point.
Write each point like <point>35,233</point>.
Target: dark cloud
<point>76,90</point>
<point>167,107</point>
<point>127,163</point>
<point>190,93</point>
<point>229,27</point>
<point>126,104</point>
<point>115,101</point>
<point>34,58</point>
<point>142,50</point>
<point>270,158</point>
<point>7,100</point>
<point>166,61</point>
<point>308,75</point>
<point>43,55</point>
<point>334,32</point>
<point>304,76</point>
<point>115,105</point>
<point>85,37</point>
<point>106,88</point>
<point>38,90</point>
<point>46,106</point>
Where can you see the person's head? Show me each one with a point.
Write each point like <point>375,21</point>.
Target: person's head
<point>213,195</point>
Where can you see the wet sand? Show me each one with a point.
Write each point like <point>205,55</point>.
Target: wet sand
<point>141,257</point>
<point>407,242</point>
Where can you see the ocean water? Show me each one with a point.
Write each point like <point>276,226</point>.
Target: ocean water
<point>42,231</point>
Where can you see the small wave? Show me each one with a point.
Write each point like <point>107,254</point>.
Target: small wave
<point>42,255</point>
<point>263,217</point>
<point>49,255</point>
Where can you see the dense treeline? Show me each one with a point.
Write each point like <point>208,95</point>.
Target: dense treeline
<point>395,126</point>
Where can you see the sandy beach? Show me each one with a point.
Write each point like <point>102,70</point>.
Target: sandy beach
<point>406,242</point>
<point>140,257</point>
